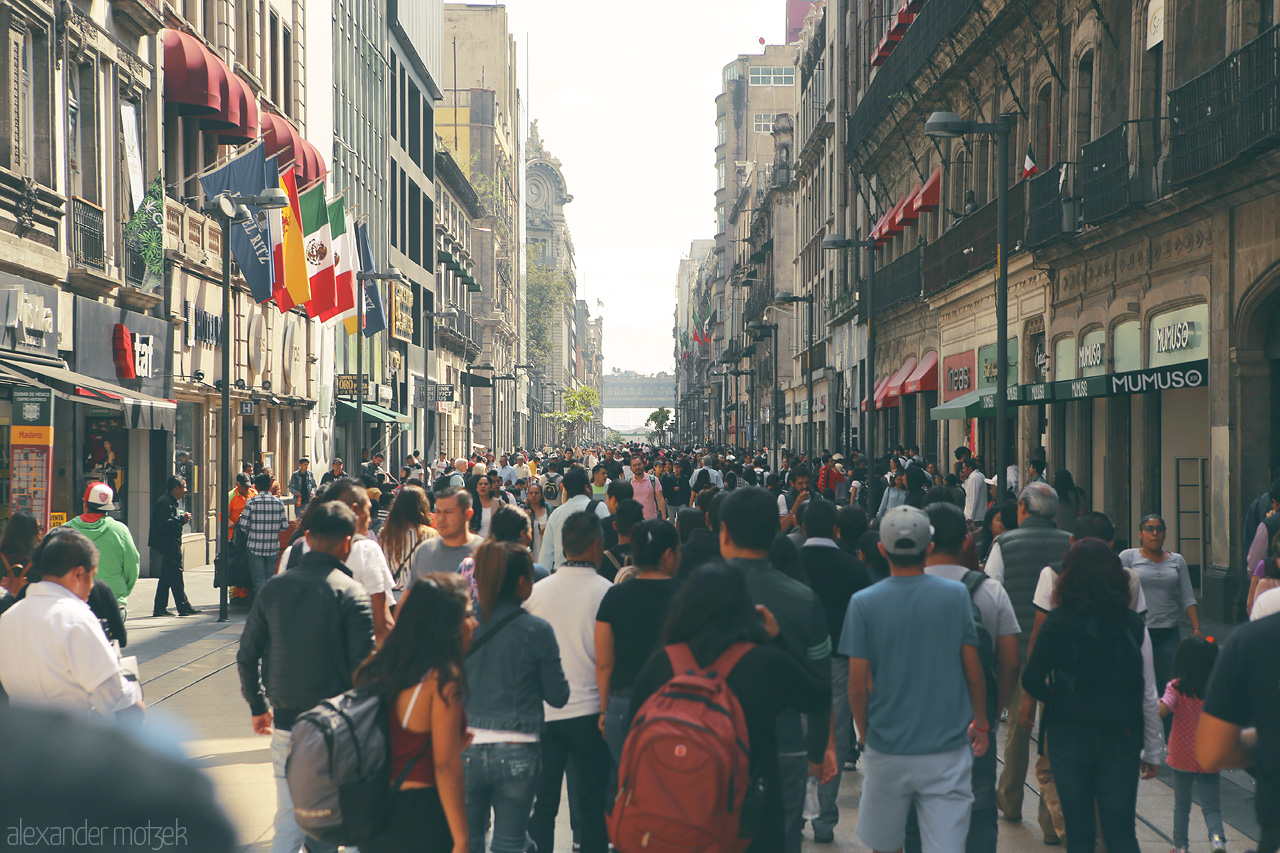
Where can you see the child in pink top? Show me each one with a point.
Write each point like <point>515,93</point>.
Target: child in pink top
<point>1184,698</point>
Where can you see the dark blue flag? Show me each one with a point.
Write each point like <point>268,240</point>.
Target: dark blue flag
<point>375,315</point>
<point>250,242</point>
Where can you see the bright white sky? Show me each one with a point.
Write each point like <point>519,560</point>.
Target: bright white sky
<point>624,95</point>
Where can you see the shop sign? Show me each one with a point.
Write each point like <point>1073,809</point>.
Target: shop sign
<point>124,347</point>
<point>402,311</point>
<point>258,343</point>
<point>31,319</point>
<point>957,375</point>
<point>438,393</point>
<point>294,341</point>
<point>1078,389</point>
<point>57,519</point>
<point>419,392</point>
<point>31,452</point>
<point>246,407</point>
<point>804,408</point>
<point>987,364</point>
<point>1192,375</point>
<point>1040,392</point>
<point>1091,355</point>
<point>1013,394</point>
<point>345,384</point>
<point>202,327</point>
<point>1179,336</point>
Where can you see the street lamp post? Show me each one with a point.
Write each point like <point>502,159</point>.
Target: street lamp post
<point>392,274</point>
<point>790,299</point>
<point>948,125</point>
<point>228,208</point>
<point>761,331</point>
<point>835,241</point>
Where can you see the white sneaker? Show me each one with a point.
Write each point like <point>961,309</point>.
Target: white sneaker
<point>1218,843</point>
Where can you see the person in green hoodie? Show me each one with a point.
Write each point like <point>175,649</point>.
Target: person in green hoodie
<point>117,554</point>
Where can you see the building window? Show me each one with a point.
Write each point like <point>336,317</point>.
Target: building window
<point>763,123</point>
<point>415,223</point>
<point>767,75</point>
<point>186,459</point>
<point>286,59</point>
<point>414,145</point>
<point>720,173</point>
<point>395,216</point>
<point>722,131</point>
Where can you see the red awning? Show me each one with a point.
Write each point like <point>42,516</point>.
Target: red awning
<point>925,376</point>
<point>894,389</point>
<point>893,225</point>
<point>930,194</point>
<point>282,138</point>
<point>249,128</point>
<point>194,79</point>
<point>313,163</point>
<point>883,399</point>
<point>227,118</point>
<point>876,395</point>
<point>907,214</point>
<point>902,20</point>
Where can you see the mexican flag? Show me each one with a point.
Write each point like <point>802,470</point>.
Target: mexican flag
<point>318,243</point>
<point>289,257</point>
<point>343,261</point>
<point>1029,164</point>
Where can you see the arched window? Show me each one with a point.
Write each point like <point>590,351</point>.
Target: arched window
<point>1084,100</point>
<point>1042,130</point>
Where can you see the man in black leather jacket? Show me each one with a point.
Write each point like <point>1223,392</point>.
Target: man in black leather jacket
<point>167,521</point>
<point>309,629</point>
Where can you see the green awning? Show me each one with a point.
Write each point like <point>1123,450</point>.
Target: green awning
<point>446,257</point>
<point>372,413</point>
<point>962,407</point>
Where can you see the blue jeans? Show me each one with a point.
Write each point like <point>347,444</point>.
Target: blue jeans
<point>614,719</point>
<point>1164,647</point>
<point>1089,766</point>
<point>260,569</point>
<point>502,777</point>
<point>1209,804</point>
<point>288,836</point>
<point>842,719</point>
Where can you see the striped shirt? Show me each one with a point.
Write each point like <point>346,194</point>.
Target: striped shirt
<point>264,518</point>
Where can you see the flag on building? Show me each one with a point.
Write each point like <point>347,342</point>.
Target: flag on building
<point>344,277</point>
<point>375,314</point>
<point>1029,164</point>
<point>144,233</point>
<point>292,286</point>
<point>249,241</point>
<point>318,246</point>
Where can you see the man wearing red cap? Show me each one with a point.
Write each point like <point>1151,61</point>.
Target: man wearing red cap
<point>117,553</point>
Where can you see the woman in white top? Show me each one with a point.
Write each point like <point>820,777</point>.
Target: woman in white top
<point>408,524</point>
<point>539,512</point>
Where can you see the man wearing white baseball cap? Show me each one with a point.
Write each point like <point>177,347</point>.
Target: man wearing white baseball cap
<point>925,717</point>
<point>117,553</point>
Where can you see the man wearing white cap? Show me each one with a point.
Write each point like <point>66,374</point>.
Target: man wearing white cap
<point>117,553</point>
<point>925,717</point>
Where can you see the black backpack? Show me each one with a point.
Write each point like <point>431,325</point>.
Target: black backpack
<point>986,643</point>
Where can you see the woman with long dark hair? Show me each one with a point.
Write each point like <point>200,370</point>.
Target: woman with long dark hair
<point>419,675</point>
<point>539,513</point>
<point>1072,502</point>
<point>408,524</point>
<point>712,611</point>
<point>1091,666</point>
<point>18,541</point>
<point>999,518</point>
<point>515,668</point>
<point>484,502</point>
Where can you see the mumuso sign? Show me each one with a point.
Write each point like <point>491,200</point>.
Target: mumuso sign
<point>1193,374</point>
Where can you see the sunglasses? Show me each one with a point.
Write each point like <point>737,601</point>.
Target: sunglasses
<point>1150,529</point>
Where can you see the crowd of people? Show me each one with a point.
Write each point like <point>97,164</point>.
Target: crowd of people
<point>612,622</point>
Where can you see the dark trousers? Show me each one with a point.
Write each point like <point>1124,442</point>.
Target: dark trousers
<point>1270,840</point>
<point>1093,766</point>
<point>1164,647</point>
<point>171,579</point>
<point>577,738</point>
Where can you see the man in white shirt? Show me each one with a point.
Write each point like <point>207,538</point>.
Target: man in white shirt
<point>522,469</point>
<point>975,490</point>
<point>716,479</point>
<point>53,651</point>
<point>506,471</point>
<point>577,496</point>
<point>569,600</point>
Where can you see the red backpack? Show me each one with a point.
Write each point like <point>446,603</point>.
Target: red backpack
<point>684,769</point>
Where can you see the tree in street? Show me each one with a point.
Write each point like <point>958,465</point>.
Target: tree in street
<point>579,409</point>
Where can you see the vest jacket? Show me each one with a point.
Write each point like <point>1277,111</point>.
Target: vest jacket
<point>1035,544</point>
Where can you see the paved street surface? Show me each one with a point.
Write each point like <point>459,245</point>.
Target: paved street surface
<point>189,674</point>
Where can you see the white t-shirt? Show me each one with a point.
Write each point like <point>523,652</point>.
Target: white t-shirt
<point>569,600</point>
<point>1043,597</point>
<point>992,601</point>
<point>1265,604</point>
<point>367,563</point>
<point>486,516</point>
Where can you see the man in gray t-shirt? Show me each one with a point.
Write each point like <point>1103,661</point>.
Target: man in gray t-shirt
<point>455,543</point>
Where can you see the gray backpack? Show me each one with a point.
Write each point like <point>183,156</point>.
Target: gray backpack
<point>338,768</point>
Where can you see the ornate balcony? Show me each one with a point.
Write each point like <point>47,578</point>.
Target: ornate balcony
<point>1046,194</point>
<point>1105,183</point>
<point>1228,111</point>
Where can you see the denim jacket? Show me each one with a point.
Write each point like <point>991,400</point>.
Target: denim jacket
<point>514,673</point>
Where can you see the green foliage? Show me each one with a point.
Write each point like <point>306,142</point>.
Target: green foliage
<point>578,410</point>
<point>548,293</point>
<point>658,419</point>
<point>613,437</point>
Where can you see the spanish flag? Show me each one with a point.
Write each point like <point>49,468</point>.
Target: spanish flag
<point>293,285</point>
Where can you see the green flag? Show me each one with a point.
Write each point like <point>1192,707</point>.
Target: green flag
<point>144,233</point>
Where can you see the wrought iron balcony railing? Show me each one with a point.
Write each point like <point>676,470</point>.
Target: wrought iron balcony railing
<point>88,235</point>
<point>898,281</point>
<point>1229,110</point>
<point>970,244</point>
<point>1047,217</point>
<point>1105,183</point>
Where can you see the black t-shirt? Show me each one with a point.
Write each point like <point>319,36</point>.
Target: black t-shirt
<point>636,610</point>
<point>676,490</point>
<point>834,576</point>
<point>613,467</point>
<point>1244,690</point>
